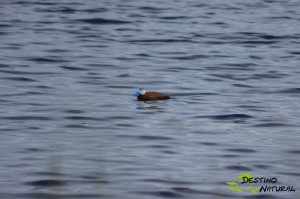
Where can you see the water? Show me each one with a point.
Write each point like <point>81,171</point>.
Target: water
<point>71,127</point>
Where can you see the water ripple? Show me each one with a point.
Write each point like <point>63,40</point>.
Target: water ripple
<point>47,183</point>
<point>164,194</point>
<point>20,118</point>
<point>226,117</point>
<point>102,21</point>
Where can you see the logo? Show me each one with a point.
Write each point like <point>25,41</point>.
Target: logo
<point>247,182</point>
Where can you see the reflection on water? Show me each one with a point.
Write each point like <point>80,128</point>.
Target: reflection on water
<point>149,107</point>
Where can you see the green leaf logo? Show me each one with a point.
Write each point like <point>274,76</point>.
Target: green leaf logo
<point>234,186</point>
<point>232,183</point>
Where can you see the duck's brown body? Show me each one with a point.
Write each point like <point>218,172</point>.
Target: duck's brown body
<point>153,96</point>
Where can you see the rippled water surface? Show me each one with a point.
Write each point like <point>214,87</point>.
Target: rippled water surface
<point>71,127</point>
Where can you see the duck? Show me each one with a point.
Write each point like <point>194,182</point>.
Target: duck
<point>143,95</point>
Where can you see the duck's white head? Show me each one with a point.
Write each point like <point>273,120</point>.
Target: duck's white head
<point>141,91</point>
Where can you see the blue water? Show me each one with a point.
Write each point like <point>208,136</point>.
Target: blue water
<point>71,127</point>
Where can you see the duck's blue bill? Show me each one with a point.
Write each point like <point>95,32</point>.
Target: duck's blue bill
<point>137,93</point>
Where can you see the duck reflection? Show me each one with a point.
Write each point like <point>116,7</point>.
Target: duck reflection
<point>148,106</point>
